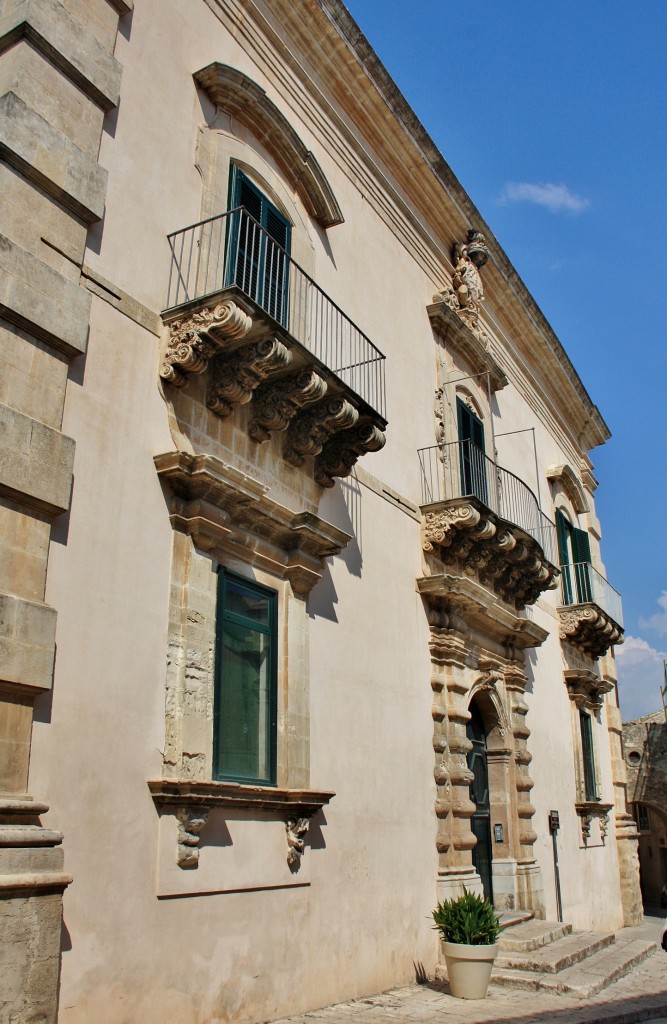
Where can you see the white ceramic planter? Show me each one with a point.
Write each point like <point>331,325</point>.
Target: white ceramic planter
<point>469,969</point>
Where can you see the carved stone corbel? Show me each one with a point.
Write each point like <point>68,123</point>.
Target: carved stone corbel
<point>296,829</point>
<point>276,403</point>
<point>195,339</point>
<point>589,809</point>
<point>589,627</point>
<point>340,453</point>
<point>191,820</point>
<point>310,430</point>
<point>235,375</point>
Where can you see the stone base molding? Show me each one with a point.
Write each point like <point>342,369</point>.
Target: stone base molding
<point>468,665</point>
<point>191,801</point>
<point>249,358</point>
<point>223,509</point>
<point>465,533</point>
<point>588,627</point>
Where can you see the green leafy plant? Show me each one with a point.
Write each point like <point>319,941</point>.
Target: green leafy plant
<point>470,920</point>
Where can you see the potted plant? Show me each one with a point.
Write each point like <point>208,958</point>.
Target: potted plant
<point>469,928</point>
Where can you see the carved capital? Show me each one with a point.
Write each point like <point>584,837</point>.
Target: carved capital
<point>195,339</point>
<point>310,430</point>
<point>276,403</point>
<point>235,375</point>
<point>191,820</point>
<point>341,452</point>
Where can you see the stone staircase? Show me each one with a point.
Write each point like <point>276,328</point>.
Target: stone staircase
<point>545,956</point>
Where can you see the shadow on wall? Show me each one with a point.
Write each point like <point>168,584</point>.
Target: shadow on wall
<point>342,507</point>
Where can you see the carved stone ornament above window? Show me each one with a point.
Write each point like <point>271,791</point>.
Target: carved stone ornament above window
<point>586,689</point>
<point>225,510</point>
<point>249,358</point>
<point>465,533</point>
<point>462,604</point>
<point>232,91</point>
<point>588,627</point>
<point>191,802</point>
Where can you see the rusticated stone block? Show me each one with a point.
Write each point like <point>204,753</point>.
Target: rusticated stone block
<point>49,158</point>
<point>41,300</point>
<point>27,642</point>
<point>35,462</point>
<point>51,29</point>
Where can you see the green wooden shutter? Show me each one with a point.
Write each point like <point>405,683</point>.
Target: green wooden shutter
<point>563,532</point>
<point>471,453</point>
<point>590,790</point>
<point>581,550</point>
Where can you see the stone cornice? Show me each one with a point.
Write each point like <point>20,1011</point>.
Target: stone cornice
<point>236,94</point>
<point>225,510</point>
<point>468,600</point>
<point>175,792</point>
<point>466,341</point>
<point>465,533</point>
<point>588,627</point>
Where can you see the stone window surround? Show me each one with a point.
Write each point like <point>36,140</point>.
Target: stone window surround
<point>586,691</point>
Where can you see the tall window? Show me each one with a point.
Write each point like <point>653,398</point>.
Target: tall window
<point>590,787</point>
<point>259,245</point>
<point>245,681</point>
<point>575,558</point>
<point>471,449</point>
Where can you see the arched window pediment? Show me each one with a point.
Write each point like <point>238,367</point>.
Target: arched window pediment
<point>232,91</point>
<point>571,485</point>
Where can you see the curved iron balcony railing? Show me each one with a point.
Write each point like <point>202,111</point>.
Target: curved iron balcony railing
<point>460,469</point>
<point>581,583</point>
<point>233,249</point>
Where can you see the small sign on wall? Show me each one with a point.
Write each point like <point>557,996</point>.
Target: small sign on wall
<point>499,833</point>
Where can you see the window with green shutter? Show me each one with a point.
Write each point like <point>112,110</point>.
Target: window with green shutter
<point>260,245</point>
<point>245,681</point>
<point>590,787</point>
<point>471,452</point>
<point>575,558</point>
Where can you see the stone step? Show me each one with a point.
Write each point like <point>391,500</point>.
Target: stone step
<point>582,979</point>
<point>556,956</point>
<point>522,938</point>
<point>511,918</point>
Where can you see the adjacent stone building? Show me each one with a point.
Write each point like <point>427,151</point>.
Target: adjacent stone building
<point>304,622</point>
<point>645,751</point>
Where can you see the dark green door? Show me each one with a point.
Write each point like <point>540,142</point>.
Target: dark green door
<point>471,453</point>
<point>575,556</point>
<point>479,794</point>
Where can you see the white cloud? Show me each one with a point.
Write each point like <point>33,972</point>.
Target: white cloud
<point>556,198</point>
<point>657,623</point>
<point>640,676</point>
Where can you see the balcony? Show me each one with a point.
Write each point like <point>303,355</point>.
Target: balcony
<point>591,615</point>
<point>487,522</point>
<point>241,311</point>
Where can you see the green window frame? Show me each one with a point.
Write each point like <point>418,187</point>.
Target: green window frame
<point>588,756</point>
<point>574,551</point>
<point>258,260</point>
<point>471,452</point>
<point>245,696</point>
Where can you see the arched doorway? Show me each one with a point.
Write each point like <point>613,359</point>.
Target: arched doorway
<point>480,796</point>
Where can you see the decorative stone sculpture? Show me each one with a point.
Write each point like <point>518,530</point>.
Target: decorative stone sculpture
<point>276,403</point>
<point>308,433</point>
<point>235,375</point>
<point>341,453</point>
<point>296,829</point>
<point>196,338</point>
<point>466,291</point>
<point>589,627</point>
<point>191,821</point>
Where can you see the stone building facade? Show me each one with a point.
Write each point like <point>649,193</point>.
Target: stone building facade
<point>645,752</point>
<point>303,617</point>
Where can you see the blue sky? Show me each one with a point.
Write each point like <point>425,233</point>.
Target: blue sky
<point>554,118</point>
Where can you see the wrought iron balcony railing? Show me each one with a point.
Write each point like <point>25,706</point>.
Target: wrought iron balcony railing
<point>581,583</point>
<point>460,469</point>
<point>234,250</point>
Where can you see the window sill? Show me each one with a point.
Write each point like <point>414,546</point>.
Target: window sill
<point>191,800</point>
<point>589,809</point>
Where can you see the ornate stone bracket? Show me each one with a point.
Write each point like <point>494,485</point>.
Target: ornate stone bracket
<point>500,554</point>
<point>340,454</point>
<point>191,821</point>
<point>225,510</point>
<point>589,809</point>
<point>195,338</point>
<point>588,627</point>
<point>235,375</point>
<point>191,801</point>
<point>276,403</point>
<point>586,689</point>
<point>307,435</point>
